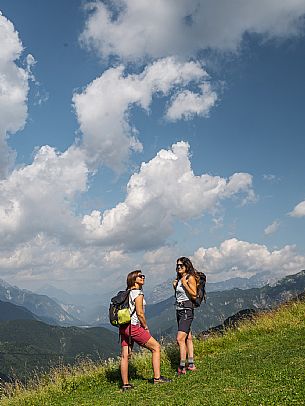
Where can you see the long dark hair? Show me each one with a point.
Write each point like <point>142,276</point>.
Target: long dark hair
<point>190,270</point>
<point>131,278</point>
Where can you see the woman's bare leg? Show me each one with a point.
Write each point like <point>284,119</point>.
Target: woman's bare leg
<point>181,340</point>
<point>190,346</point>
<point>124,365</point>
<point>154,347</point>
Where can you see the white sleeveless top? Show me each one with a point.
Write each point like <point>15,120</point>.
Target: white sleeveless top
<point>134,293</point>
<point>181,295</point>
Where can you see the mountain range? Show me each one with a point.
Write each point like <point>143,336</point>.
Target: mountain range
<point>164,290</point>
<point>57,307</point>
<point>222,304</point>
<point>47,309</point>
<point>91,309</point>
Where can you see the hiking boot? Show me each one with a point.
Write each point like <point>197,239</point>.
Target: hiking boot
<point>191,367</point>
<point>162,379</point>
<point>181,371</point>
<point>126,387</point>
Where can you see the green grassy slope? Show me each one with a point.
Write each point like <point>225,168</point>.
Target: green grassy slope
<point>260,363</point>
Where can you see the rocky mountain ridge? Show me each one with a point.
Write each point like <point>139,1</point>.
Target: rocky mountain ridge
<point>164,289</point>
<point>45,308</point>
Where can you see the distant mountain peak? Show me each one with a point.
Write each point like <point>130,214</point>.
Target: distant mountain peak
<point>42,306</point>
<point>5,284</point>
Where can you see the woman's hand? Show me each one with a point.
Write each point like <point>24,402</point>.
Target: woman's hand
<point>184,279</point>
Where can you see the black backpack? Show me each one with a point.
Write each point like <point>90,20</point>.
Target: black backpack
<point>201,293</point>
<point>119,313</point>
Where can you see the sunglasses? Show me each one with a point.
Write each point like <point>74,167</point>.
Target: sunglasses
<point>179,266</point>
<point>141,276</point>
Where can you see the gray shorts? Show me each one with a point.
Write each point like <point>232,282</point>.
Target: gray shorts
<point>184,319</point>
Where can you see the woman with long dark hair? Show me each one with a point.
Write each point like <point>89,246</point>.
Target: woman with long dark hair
<point>185,286</point>
<point>138,331</point>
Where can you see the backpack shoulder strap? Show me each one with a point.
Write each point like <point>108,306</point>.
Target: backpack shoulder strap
<point>176,289</point>
<point>134,310</point>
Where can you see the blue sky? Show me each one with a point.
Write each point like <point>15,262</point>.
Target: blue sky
<point>215,111</point>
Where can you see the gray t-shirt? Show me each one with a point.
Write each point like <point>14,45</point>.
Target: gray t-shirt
<point>132,296</point>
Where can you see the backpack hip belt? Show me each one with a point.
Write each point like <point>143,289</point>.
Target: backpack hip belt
<point>186,304</point>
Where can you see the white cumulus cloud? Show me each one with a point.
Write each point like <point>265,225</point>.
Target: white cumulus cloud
<point>241,258</point>
<point>14,89</point>
<point>103,107</point>
<point>188,104</point>
<point>135,29</point>
<point>164,189</point>
<point>299,210</point>
<point>39,197</point>
<point>43,258</point>
<point>272,228</point>
<point>160,256</point>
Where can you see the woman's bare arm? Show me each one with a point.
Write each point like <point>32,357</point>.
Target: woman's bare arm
<point>140,310</point>
<point>190,285</point>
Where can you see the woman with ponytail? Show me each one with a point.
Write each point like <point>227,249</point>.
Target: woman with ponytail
<point>137,331</point>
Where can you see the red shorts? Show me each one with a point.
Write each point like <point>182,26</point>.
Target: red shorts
<point>138,335</point>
